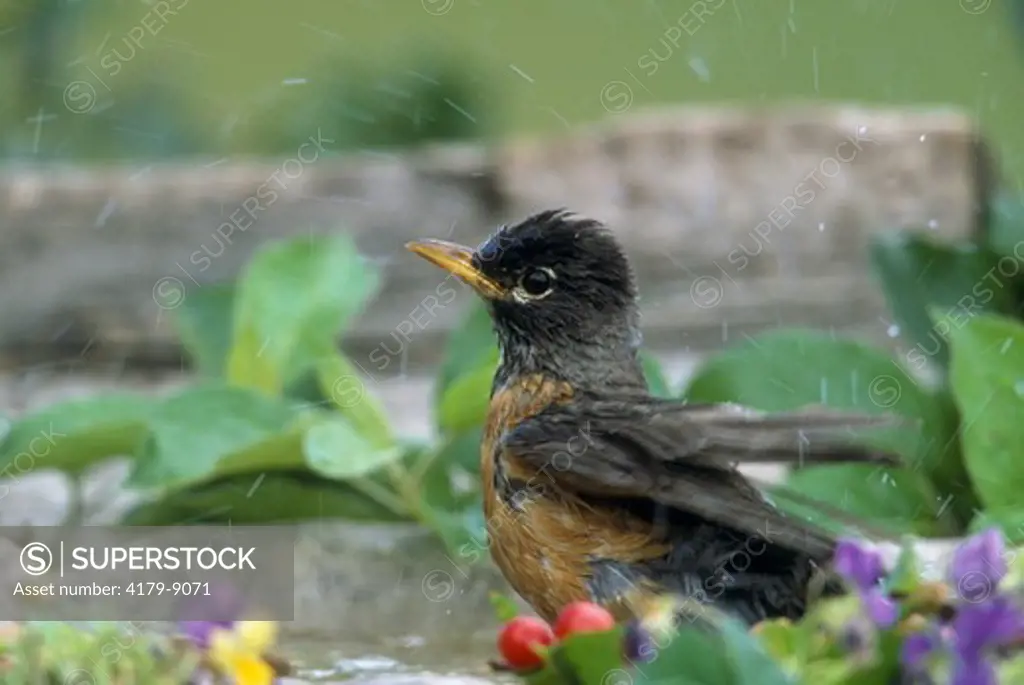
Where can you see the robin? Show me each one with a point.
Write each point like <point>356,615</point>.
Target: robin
<point>596,490</point>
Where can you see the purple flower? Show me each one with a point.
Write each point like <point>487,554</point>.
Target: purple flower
<point>858,564</point>
<point>917,647</point>
<point>862,567</point>
<point>639,647</point>
<point>200,632</point>
<point>201,615</point>
<point>978,628</point>
<point>979,565</point>
<point>880,607</point>
<point>976,672</point>
<point>987,624</point>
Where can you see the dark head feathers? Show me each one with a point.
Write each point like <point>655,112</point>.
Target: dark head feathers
<point>583,253</point>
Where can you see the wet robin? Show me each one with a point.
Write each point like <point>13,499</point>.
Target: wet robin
<point>596,490</point>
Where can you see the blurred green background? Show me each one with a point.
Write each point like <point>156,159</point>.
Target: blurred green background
<point>252,77</point>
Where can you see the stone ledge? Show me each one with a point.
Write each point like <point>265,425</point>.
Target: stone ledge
<point>771,198</point>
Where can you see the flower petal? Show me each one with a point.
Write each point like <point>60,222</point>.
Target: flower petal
<point>198,632</point>
<point>881,608</point>
<point>975,671</point>
<point>987,624</point>
<point>858,563</point>
<point>979,565</point>
<point>224,649</point>
<point>916,648</point>
<point>639,647</point>
<point>256,636</point>
<point>250,670</point>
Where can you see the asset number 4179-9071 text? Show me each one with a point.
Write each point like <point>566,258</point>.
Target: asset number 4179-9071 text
<point>157,588</point>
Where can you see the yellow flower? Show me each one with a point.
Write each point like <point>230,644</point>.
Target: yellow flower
<point>251,670</point>
<point>256,636</point>
<point>238,653</point>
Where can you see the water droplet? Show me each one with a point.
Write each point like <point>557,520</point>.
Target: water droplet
<point>862,130</point>
<point>1018,388</point>
<point>923,136</point>
<point>893,331</point>
<point>700,67</point>
<point>933,224</point>
<point>821,225</point>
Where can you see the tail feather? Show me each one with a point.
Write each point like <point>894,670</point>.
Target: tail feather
<point>813,435</point>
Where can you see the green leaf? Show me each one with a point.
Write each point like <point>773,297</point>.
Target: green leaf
<point>786,370</point>
<point>463,449</point>
<point>334,450</point>
<point>906,576</point>
<point>247,367</point>
<point>261,498</point>
<point>504,608</point>
<point>694,656</point>
<point>788,644</point>
<point>1009,520</point>
<point>751,664</point>
<point>469,346</point>
<point>339,380</point>
<point>1005,234</point>
<point>595,658</point>
<point>656,381</point>
<point>918,273</point>
<point>192,431</point>
<point>204,323</point>
<point>464,404</point>
<point>72,436</point>
<point>898,499</point>
<point>293,299</point>
<point>987,378</point>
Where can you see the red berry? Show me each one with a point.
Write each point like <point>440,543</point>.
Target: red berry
<point>519,638</point>
<point>583,617</point>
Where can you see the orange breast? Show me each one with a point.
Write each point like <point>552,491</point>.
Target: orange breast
<point>543,547</point>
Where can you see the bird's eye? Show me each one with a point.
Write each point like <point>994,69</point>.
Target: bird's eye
<point>537,282</point>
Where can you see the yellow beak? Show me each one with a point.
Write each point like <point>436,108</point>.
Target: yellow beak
<point>458,261</point>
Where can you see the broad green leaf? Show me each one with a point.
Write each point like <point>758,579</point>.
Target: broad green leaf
<point>204,322</point>
<point>595,658</point>
<point>293,299</point>
<point>279,452</point>
<point>1005,234</point>
<point>72,436</point>
<point>463,449</point>
<point>987,377</point>
<point>431,472</point>
<point>900,500</point>
<point>347,389</point>
<point>1009,520</point>
<point>918,273</point>
<point>785,642</point>
<point>335,450</point>
<point>584,659</point>
<point>694,656</point>
<point>656,381</point>
<point>192,431</point>
<point>464,404</point>
<point>785,370</point>
<point>469,346</point>
<point>262,498</point>
<point>751,663</point>
<point>248,367</point>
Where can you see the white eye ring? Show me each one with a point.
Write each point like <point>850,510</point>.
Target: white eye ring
<point>520,295</point>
